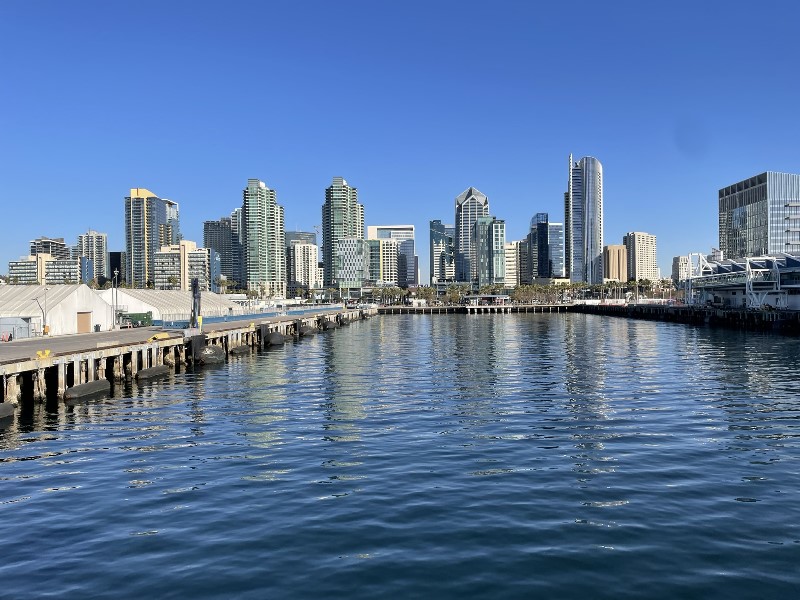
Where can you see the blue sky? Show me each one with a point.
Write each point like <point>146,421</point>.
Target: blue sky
<point>411,102</point>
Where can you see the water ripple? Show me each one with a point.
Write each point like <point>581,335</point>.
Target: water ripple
<point>564,456</point>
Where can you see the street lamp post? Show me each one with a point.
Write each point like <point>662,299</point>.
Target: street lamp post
<point>44,311</point>
<point>114,296</point>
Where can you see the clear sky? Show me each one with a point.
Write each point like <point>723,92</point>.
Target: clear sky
<point>410,101</point>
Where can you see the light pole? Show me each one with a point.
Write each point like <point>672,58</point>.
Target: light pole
<point>44,311</point>
<point>114,296</point>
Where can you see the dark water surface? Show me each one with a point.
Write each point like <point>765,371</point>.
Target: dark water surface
<point>491,456</point>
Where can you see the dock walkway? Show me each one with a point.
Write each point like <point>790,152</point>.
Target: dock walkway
<point>46,367</point>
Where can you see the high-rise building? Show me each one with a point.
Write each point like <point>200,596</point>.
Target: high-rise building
<point>384,255</point>
<point>615,262</point>
<point>442,252</point>
<point>583,221</point>
<point>94,246</point>
<point>117,263</point>
<point>55,247</point>
<point>680,268</point>
<point>150,223</point>
<point>556,234</point>
<point>237,249</point>
<point>470,204</point>
<point>263,239</point>
<point>760,216</point>
<point>489,241</point>
<point>352,262</point>
<point>512,264</point>
<point>641,254</point>
<point>302,261</point>
<point>545,249</point>
<point>342,217</point>
<point>300,278</point>
<point>408,262</point>
<point>300,237</point>
<point>171,266</point>
<point>205,265</point>
<point>218,235</point>
<point>524,261</point>
<point>86,269</point>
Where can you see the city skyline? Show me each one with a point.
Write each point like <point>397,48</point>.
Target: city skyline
<point>654,111</point>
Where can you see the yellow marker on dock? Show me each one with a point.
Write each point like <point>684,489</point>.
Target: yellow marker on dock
<point>158,336</point>
<point>42,353</point>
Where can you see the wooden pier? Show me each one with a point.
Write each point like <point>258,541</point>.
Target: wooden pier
<point>474,309</point>
<point>45,368</point>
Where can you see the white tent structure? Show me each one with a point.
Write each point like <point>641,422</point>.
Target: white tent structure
<point>25,310</point>
<point>169,305</point>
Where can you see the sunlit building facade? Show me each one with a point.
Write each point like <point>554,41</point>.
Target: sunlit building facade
<point>442,252</point>
<point>583,221</point>
<point>342,218</point>
<point>470,204</point>
<point>760,216</point>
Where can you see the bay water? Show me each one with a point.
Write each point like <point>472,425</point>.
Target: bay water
<point>427,456</point>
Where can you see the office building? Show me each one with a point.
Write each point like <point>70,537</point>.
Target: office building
<point>583,221</point>
<point>94,246</point>
<point>116,265</point>
<point>641,254</point>
<point>408,262</point>
<point>489,241</point>
<point>304,272</point>
<point>86,265</point>
<point>342,218</point>
<point>442,253</point>
<point>760,216</point>
<point>470,204</point>
<point>55,247</point>
<point>384,263</point>
<point>219,236</point>
<point>352,263</point>
<point>150,223</point>
<point>544,249</point>
<point>524,269</point>
<point>680,268</point>
<point>615,262</point>
<point>263,240</point>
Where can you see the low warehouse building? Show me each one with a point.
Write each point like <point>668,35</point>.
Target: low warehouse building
<point>32,310</point>
<point>168,306</point>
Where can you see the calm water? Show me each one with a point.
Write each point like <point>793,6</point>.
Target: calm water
<point>492,456</point>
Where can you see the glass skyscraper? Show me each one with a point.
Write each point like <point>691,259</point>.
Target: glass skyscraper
<point>583,221</point>
<point>489,242</point>
<point>760,216</point>
<point>470,205</point>
<point>219,236</point>
<point>442,252</point>
<point>545,245</point>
